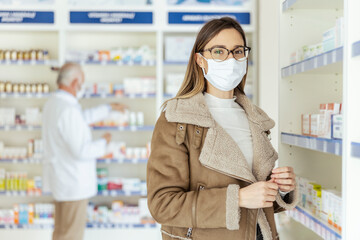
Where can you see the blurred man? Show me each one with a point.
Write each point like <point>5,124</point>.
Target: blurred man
<point>70,153</point>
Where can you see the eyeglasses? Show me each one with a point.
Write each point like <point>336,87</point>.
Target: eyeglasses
<point>220,54</point>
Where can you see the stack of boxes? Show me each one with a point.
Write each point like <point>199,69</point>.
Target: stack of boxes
<point>127,185</point>
<point>120,213</point>
<point>331,39</point>
<point>28,214</point>
<point>19,182</point>
<point>131,86</point>
<point>325,124</point>
<point>325,204</point>
<point>118,150</point>
<point>8,117</point>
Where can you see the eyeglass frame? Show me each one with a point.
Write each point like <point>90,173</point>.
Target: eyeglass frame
<point>246,48</point>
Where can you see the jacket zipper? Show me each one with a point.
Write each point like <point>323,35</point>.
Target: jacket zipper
<point>189,232</point>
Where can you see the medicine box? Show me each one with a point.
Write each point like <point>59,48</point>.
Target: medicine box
<point>329,39</point>
<point>178,48</point>
<point>325,118</point>
<point>337,126</point>
<point>314,124</point>
<point>305,122</point>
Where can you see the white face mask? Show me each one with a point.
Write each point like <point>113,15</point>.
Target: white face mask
<point>225,75</point>
<point>80,93</point>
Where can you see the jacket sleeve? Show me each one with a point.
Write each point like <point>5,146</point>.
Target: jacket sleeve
<point>170,200</point>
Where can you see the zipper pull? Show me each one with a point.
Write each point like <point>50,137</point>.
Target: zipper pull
<point>201,188</point>
<point>189,232</point>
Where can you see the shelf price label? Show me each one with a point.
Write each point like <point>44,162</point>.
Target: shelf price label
<point>26,17</point>
<point>113,17</point>
<point>203,17</point>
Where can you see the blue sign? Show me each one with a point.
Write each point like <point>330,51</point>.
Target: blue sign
<point>201,17</point>
<point>102,17</point>
<point>21,17</point>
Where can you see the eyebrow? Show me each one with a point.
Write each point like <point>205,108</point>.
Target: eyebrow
<point>223,46</point>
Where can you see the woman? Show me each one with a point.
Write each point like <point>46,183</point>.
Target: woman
<point>210,174</point>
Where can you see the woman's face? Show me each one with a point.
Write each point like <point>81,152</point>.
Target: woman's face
<point>227,38</point>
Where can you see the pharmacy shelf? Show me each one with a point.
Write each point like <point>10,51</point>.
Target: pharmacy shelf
<point>118,193</point>
<point>21,160</point>
<point>355,149</point>
<point>316,63</point>
<point>95,128</point>
<point>24,95</point>
<point>320,227</point>
<point>117,63</point>
<point>131,96</point>
<point>88,225</point>
<point>91,96</point>
<point>331,146</point>
<point>356,49</point>
<point>23,194</point>
<point>170,63</point>
<point>19,128</point>
<point>124,128</point>
<point>124,160</point>
<point>105,193</point>
<point>100,161</point>
<point>309,4</point>
<point>30,63</point>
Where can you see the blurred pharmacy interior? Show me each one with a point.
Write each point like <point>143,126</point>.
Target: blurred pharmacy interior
<point>303,71</point>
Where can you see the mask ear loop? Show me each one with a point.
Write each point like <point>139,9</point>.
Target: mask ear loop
<point>203,69</point>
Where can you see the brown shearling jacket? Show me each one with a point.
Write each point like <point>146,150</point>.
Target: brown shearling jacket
<point>195,171</point>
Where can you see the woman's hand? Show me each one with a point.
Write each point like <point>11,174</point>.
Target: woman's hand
<point>285,178</point>
<point>258,195</point>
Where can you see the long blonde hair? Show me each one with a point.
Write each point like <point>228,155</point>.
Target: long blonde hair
<point>194,81</point>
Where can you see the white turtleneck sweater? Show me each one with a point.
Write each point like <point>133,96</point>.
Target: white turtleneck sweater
<point>233,119</point>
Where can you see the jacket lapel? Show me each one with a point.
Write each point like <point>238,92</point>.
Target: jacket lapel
<point>220,152</point>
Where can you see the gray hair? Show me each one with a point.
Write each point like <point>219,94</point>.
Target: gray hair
<point>68,72</point>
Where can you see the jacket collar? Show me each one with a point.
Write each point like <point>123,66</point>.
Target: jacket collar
<point>194,111</point>
<point>220,152</point>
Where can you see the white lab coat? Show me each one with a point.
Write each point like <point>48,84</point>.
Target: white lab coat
<point>69,166</point>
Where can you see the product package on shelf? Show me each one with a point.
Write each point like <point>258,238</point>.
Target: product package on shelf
<point>23,88</point>
<point>337,126</point>
<point>117,183</point>
<point>19,182</point>
<point>178,48</point>
<point>34,150</point>
<point>120,213</point>
<point>305,121</point>
<point>323,124</point>
<point>26,55</point>
<point>28,214</point>
<point>119,150</point>
<point>331,38</point>
<point>314,124</point>
<point>122,119</point>
<point>9,117</point>
<point>43,214</point>
<point>323,203</point>
<point>173,83</point>
<point>143,54</point>
<point>144,85</point>
<point>325,118</point>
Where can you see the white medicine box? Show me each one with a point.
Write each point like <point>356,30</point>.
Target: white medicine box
<point>178,48</point>
<point>305,121</point>
<point>337,126</point>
